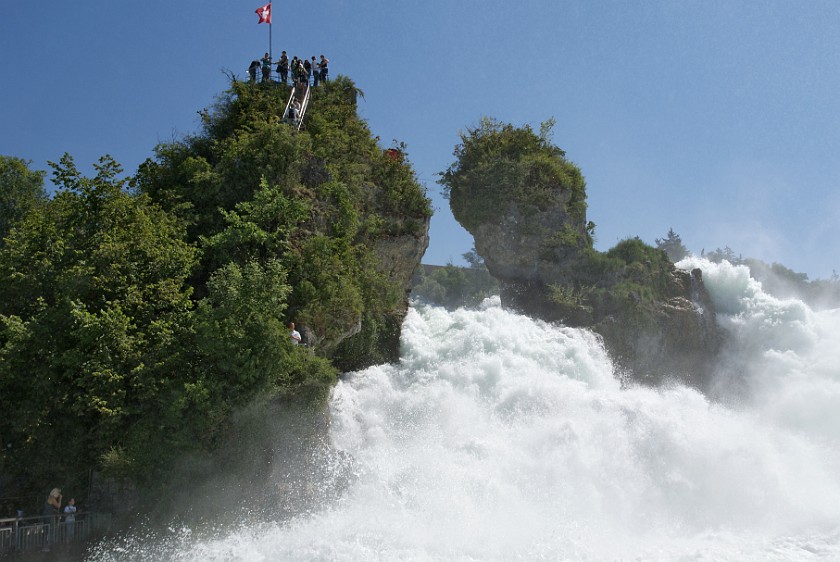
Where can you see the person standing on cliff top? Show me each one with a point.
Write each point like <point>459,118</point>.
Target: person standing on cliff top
<point>266,67</point>
<point>252,70</point>
<point>283,67</point>
<point>307,67</point>
<point>316,72</point>
<point>322,68</point>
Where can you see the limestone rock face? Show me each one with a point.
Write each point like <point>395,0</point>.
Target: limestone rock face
<point>399,257</point>
<point>676,339</point>
<point>516,247</point>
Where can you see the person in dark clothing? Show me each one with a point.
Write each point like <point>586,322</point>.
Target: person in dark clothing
<point>283,67</point>
<point>322,68</point>
<point>52,508</point>
<point>252,70</point>
<point>53,503</point>
<point>293,69</point>
<point>307,67</point>
<point>302,76</point>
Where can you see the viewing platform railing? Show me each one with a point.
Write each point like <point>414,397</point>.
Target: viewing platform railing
<point>304,106</point>
<point>19,534</point>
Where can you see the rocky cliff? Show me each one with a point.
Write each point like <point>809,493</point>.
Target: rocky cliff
<point>524,203</point>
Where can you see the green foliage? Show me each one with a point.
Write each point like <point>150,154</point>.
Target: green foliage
<point>241,339</point>
<point>474,260</point>
<point>137,316</point>
<point>497,164</point>
<point>567,237</point>
<point>644,265</point>
<point>630,276</point>
<point>673,246</point>
<point>94,294</point>
<point>258,229</point>
<point>250,186</point>
<point>239,326</point>
<point>633,250</point>
<point>573,297</point>
<point>21,189</point>
<point>726,254</point>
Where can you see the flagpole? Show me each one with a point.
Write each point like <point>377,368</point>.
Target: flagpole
<point>270,55</point>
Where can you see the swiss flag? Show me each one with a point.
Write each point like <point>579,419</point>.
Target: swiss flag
<point>265,14</point>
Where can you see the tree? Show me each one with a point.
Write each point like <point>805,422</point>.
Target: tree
<point>727,254</point>
<point>92,305</point>
<point>474,260</point>
<point>498,165</point>
<point>137,315</point>
<point>21,189</point>
<point>673,246</point>
<point>249,186</point>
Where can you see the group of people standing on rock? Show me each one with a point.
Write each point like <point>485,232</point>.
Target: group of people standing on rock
<point>301,71</point>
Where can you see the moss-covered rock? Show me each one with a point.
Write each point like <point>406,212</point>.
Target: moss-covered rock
<point>347,221</point>
<point>525,205</point>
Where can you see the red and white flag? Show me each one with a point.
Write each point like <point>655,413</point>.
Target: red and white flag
<point>265,14</point>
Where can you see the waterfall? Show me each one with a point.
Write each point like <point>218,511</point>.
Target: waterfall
<point>498,437</point>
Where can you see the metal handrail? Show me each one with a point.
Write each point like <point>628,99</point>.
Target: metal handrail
<point>19,534</point>
<point>304,106</point>
<point>289,103</point>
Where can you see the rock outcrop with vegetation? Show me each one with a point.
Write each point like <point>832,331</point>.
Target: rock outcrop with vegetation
<point>525,205</point>
<point>138,315</point>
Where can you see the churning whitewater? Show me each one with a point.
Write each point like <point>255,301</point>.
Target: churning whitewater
<point>498,437</point>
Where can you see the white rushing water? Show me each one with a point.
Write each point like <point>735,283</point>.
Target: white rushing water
<point>498,437</point>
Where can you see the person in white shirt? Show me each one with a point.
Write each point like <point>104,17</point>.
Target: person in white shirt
<point>294,334</point>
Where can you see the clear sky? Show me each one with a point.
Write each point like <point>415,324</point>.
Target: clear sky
<point>720,119</point>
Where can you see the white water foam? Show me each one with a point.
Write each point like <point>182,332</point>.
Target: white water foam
<point>498,437</point>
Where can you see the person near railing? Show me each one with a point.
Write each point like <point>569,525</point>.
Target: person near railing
<point>283,67</point>
<point>294,111</point>
<point>322,67</point>
<point>301,74</point>
<point>52,507</point>
<point>252,70</point>
<point>316,72</point>
<point>265,64</point>
<point>70,518</point>
<point>307,67</point>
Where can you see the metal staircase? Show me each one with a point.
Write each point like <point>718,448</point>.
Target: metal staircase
<point>304,104</point>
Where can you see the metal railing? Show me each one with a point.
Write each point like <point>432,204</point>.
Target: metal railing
<point>297,119</point>
<point>275,78</point>
<point>18,534</point>
<point>303,106</point>
<point>289,103</point>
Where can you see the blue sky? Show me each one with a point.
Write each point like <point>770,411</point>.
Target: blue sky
<point>720,119</point>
